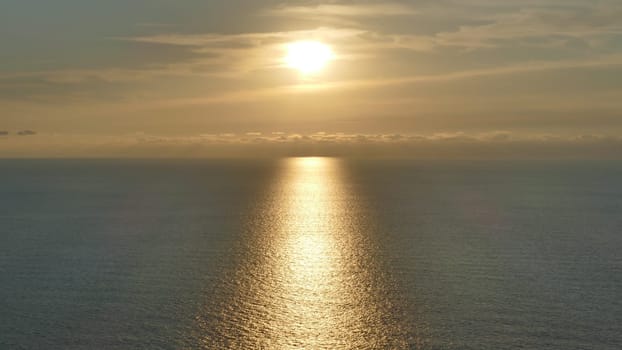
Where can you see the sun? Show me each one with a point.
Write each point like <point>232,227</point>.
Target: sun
<point>308,56</point>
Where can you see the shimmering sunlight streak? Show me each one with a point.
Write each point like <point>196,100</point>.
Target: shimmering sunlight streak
<point>309,258</point>
<point>307,276</point>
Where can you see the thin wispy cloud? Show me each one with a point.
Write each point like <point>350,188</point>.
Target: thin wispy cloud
<point>310,88</point>
<point>233,55</point>
<point>346,10</point>
<point>539,27</point>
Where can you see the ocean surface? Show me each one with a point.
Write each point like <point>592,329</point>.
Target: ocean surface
<point>310,253</point>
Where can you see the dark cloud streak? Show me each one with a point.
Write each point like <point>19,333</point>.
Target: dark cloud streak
<point>26,133</point>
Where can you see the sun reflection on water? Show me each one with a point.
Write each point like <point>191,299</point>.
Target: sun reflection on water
<point>307,275</point>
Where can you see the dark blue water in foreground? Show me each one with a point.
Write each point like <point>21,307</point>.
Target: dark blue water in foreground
<point>322,254</point>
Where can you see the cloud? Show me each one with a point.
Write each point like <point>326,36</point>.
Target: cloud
<point>242,41</point>
<point>310,88</point>
<point>540,26</point>
<point>413,66</point>
<point>552,31</point>
<point>346,10</point>
<point>449,145</point>
<point>474,24</point>
<point>26,133</point>
<point>213,55</point>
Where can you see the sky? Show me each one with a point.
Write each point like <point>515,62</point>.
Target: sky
<point>430,79</point>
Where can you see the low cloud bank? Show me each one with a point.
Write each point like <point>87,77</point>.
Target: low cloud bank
<point>456,145</point>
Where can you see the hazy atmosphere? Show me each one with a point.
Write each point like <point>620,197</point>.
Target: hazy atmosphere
<point>469,79</point>
<point>325,175</point>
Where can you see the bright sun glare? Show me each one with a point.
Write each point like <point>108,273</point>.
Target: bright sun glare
<point>308,56</point>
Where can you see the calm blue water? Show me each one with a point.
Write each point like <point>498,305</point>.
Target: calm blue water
<point>321,253</point>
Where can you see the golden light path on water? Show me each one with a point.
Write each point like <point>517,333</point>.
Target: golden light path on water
<point>308,274</point>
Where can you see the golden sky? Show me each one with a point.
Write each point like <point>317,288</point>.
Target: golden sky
<point>446,78</point>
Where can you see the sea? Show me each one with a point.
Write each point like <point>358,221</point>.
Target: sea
<point>310,253</point>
